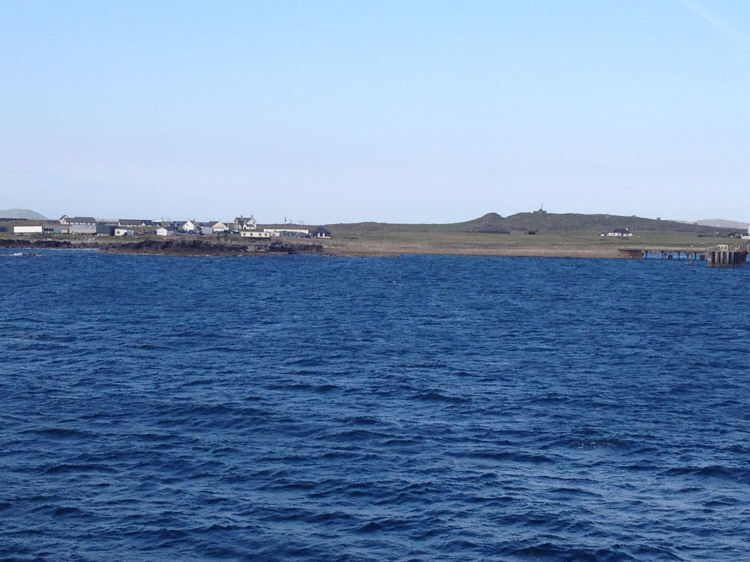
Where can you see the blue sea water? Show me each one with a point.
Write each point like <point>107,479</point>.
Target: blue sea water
<point>412,408</point>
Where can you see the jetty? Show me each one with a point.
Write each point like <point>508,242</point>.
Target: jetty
<point>721,255</point>
<point>666,253</point>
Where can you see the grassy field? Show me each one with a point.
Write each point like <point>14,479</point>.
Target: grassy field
<point>531,234</point>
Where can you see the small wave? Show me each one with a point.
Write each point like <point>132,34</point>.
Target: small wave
<point>384,525</point>
<point>361,420</point>
<point>216,349</point>
<point>61,433</point>
<point>306,362</point>
<point>151,347</point>
<point>439,397</point>
<point>602,443</point>
<point>402,442</point>
<point>425,365</point>
<point>354,435</point>
<point>337,516</point>
<point>68,511</point>
<point>505,456</point>
<point>736,474</point>
<point>59,468</point>
<point>306,386</point>
<point>340,455</point>
<point>574,492</point>
<point>550,551</point>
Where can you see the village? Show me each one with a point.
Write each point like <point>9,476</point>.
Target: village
<point>245,227</point>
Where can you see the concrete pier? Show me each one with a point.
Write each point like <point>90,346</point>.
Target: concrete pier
<point>722,256</point>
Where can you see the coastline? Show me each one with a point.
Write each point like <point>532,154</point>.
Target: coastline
<point>328,247</point>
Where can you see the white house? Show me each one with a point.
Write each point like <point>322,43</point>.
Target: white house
<point>188,226</point>
<point>619,232</point>
<point>119,231</point>
<point>162,231</point>
<point>219,228</point>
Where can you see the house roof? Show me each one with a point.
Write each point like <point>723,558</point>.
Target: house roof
<point>80,220</point>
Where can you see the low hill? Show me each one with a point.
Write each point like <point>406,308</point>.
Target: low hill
<point>536,223</point>
<point>722,223</point>
<point>21,214</point>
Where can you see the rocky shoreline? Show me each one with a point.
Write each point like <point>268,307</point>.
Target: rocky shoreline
<point>176,247</point>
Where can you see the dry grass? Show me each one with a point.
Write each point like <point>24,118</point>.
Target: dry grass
<point>572,244</point>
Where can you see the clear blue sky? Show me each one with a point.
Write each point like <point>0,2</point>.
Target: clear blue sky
<point>399,111</point>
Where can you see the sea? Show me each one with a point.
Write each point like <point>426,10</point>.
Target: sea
<point>405,408</point>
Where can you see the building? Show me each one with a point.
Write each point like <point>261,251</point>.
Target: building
<point>163,231</point>
<point>241,223</point>
<point>81,228</point>
<point>320,232</point>
<point>294,232</point>
<point>120,231</point>
<point>81,221</point>
<point>28,229</point>
<point>105,229</point>
<point>134,223</point>
<point>219,228</point>
<point>189,227</point>
<point>619,232</point>
<point>254,234</point>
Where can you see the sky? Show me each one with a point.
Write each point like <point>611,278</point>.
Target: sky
<point>375,110</point>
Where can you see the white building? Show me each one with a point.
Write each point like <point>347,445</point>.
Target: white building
<point>28,229</point>
<point>162,231</point>
<point>124,232</point>
<point>219,228</point>
<point>618,232</point>
<point>188,226</point>
<point>254,234</point>
<point>300,232</point>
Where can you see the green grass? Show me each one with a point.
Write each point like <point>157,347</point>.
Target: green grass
<point>550,229</point>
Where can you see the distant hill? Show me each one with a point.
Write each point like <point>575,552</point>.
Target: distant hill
<point>539,223</point>
<point>542,222</point>
<point>722,223</point>
<point>21,214</point>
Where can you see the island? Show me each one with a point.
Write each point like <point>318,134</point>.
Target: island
<point>533,234</point>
